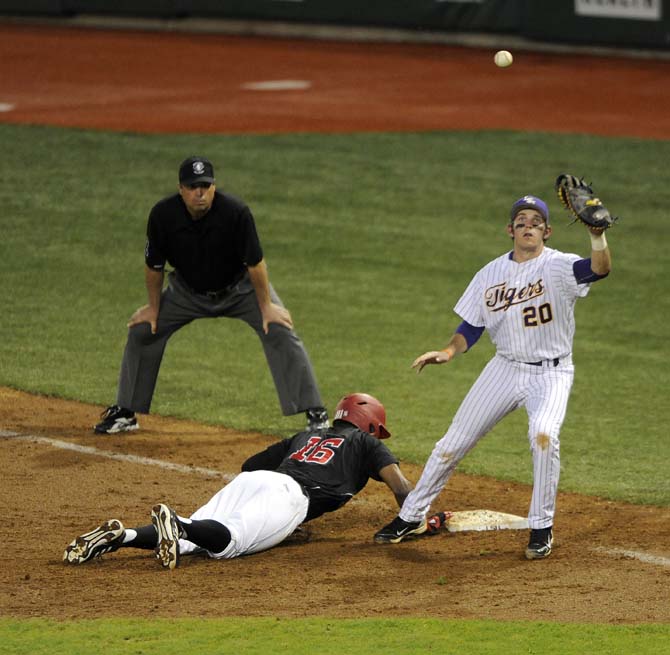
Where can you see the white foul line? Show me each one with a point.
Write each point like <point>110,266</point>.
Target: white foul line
<point>636,554</point>
<point>134,459</point>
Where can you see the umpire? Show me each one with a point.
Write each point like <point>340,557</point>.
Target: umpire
<point>209,238</point>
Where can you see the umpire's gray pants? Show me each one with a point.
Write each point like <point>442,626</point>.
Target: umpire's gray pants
<point>286,356</point>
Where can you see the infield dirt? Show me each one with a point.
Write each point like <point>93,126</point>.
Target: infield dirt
<point>332,569</point>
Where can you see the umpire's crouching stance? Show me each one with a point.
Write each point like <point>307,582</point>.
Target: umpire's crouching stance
<point>210,240</point>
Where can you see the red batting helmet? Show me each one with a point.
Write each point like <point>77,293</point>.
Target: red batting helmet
<point>365,412</point>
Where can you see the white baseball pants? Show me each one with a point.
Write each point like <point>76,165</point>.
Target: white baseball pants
<point>502,387</point>
<point>260,508</point>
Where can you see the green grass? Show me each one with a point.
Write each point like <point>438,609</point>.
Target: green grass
<point>370,239</point>
<point>325,637</point>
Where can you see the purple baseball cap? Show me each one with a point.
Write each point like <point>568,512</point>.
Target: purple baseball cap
<point>530,202</point>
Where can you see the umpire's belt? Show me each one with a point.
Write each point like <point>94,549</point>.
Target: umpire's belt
<point>215,295</point>
<point>218,293</point>
<point>545,362</point>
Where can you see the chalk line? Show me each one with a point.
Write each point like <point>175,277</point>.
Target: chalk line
<point>122,457</point>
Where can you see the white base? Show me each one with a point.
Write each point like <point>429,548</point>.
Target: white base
<point>484,519</point>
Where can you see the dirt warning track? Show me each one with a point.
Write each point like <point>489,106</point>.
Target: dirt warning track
<point>167,82</point>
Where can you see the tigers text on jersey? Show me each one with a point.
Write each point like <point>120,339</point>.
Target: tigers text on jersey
<point>528,307</point>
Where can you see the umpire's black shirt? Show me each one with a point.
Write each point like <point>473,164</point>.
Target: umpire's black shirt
<point>210,253</point>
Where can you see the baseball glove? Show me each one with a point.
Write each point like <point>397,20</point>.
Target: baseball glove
<point>580,201</point>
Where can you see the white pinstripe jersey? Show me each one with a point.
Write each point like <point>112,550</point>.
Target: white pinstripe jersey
<point>527,308</point>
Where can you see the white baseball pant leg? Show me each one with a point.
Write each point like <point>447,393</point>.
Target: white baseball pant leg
<point>546,402</point>
<point>493,395</point>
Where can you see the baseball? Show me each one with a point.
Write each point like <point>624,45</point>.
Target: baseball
<point>503,58</point>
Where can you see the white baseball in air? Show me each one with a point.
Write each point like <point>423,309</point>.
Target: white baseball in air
<point>503,58</point>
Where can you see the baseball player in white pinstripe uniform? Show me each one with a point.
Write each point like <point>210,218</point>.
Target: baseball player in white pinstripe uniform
<point>525,299</point>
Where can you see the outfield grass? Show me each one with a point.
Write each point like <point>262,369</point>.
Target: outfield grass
<point>326,637</point>
<point>370,240</point>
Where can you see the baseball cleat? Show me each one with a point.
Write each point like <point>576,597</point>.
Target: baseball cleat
<point>116,419</point>
<point>539,544</point>
<point>397,530</point>
<point>165,521</point>
<point>104,539</point>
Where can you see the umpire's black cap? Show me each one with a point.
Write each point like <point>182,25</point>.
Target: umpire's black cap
<point>196,169</point>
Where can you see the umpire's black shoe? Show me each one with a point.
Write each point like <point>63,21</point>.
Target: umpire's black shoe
<point>397,530</point>
<point>539,544</point>
<point>317,418</point>
<point>116,419</point>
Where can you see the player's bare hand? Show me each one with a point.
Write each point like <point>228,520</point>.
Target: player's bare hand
<point>276,314</point>
<point>144,314</point>
<point>432,357</point>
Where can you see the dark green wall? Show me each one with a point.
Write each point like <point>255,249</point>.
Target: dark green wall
<point>546,20</point>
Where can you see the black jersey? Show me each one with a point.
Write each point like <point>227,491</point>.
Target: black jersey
<point>332,465</point>
<point>210,253</point>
